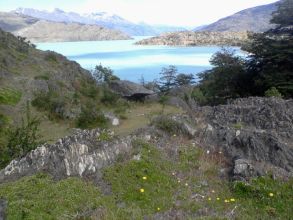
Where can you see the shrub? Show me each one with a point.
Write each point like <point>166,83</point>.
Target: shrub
<point>109,97</point>
<point>51,57</point>
<point>198,96</point>
<point>167,124</point>
<point>21,140</point>
<point>51,102</point>
<point>42,77</point>
<point>89,89</point>
<point>91,117</point>
<point>9,96</point>
<point>273,92</point>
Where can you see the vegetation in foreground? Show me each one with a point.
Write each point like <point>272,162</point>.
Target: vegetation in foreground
<point>151,185</point>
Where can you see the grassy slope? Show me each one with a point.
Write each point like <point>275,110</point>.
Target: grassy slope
<point>190,184</point>
<point>23,68</point>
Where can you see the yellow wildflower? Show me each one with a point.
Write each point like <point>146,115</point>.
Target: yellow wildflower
<point>210,199</point>
<point>144,178</point>
<point>271,194</point>
<point>141,190</point>
<point>218,198</point>
<point>158,209</point>
<point>232,200</point>
<point>226,200</point>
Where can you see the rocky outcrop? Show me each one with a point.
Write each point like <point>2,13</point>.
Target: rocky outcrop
<point>129,90</point>
<point>83,154</point>
<point>189,38</point>
<point>255,133</point>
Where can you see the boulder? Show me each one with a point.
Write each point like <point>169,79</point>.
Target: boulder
<point>130,90</point>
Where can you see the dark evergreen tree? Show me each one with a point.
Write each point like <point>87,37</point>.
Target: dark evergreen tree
<point>271,53</point>
<point>226,80</point>
<point>168,77</point>
<point>184,79</point>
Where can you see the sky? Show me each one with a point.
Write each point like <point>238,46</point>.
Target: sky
<point>168,12</point>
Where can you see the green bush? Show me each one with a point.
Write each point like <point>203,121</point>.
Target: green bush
<point>51,57</point>
<point>91,117</point>
<point>273,92</point>
<point>198,96</point>
<point>51,102</point>
<point>21,140</point>
<point>42,77</point>
<point>167,124</point>
<point>9,96</point>
<point>89,89</point>
<point>109,98</point>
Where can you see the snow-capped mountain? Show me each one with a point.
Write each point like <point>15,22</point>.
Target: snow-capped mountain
<point>99,18</point>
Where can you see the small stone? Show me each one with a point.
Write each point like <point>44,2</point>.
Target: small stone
<point>238,133</point>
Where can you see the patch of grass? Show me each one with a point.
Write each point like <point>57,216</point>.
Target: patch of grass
<point>145,183</point>
<point>189,158</point>
<point>42,77</point>
<point>238,126</point>
<point>265,198</point>
<point>105,136</point>
<point>39,197</point>
<point>139,115</point>
<point>9,96</point>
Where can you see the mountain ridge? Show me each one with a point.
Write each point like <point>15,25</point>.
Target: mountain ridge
<point>37,30</point>
<point>255,19</point>
<point>105,19</point>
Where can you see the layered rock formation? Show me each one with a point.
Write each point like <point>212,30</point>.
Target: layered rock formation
<point>255,133</point>
<point>189,38</point>
<point>83,154</point>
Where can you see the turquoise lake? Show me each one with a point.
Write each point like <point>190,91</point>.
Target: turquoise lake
<point>130,61</point>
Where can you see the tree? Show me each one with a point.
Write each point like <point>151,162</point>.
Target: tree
<point>271,59</point>
<point>103,74</point>
<point>168,77</point>
<point>184,79</point>
<point>226,80</point>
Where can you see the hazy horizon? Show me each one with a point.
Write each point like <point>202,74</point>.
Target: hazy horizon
<point>187,13</point>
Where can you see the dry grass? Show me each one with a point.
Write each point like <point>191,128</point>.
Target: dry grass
<point>139,115</point>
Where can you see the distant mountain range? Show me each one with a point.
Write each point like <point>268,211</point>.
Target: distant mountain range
<point>48,31</point>
<point>255,19</point>
<point>104,19</point>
